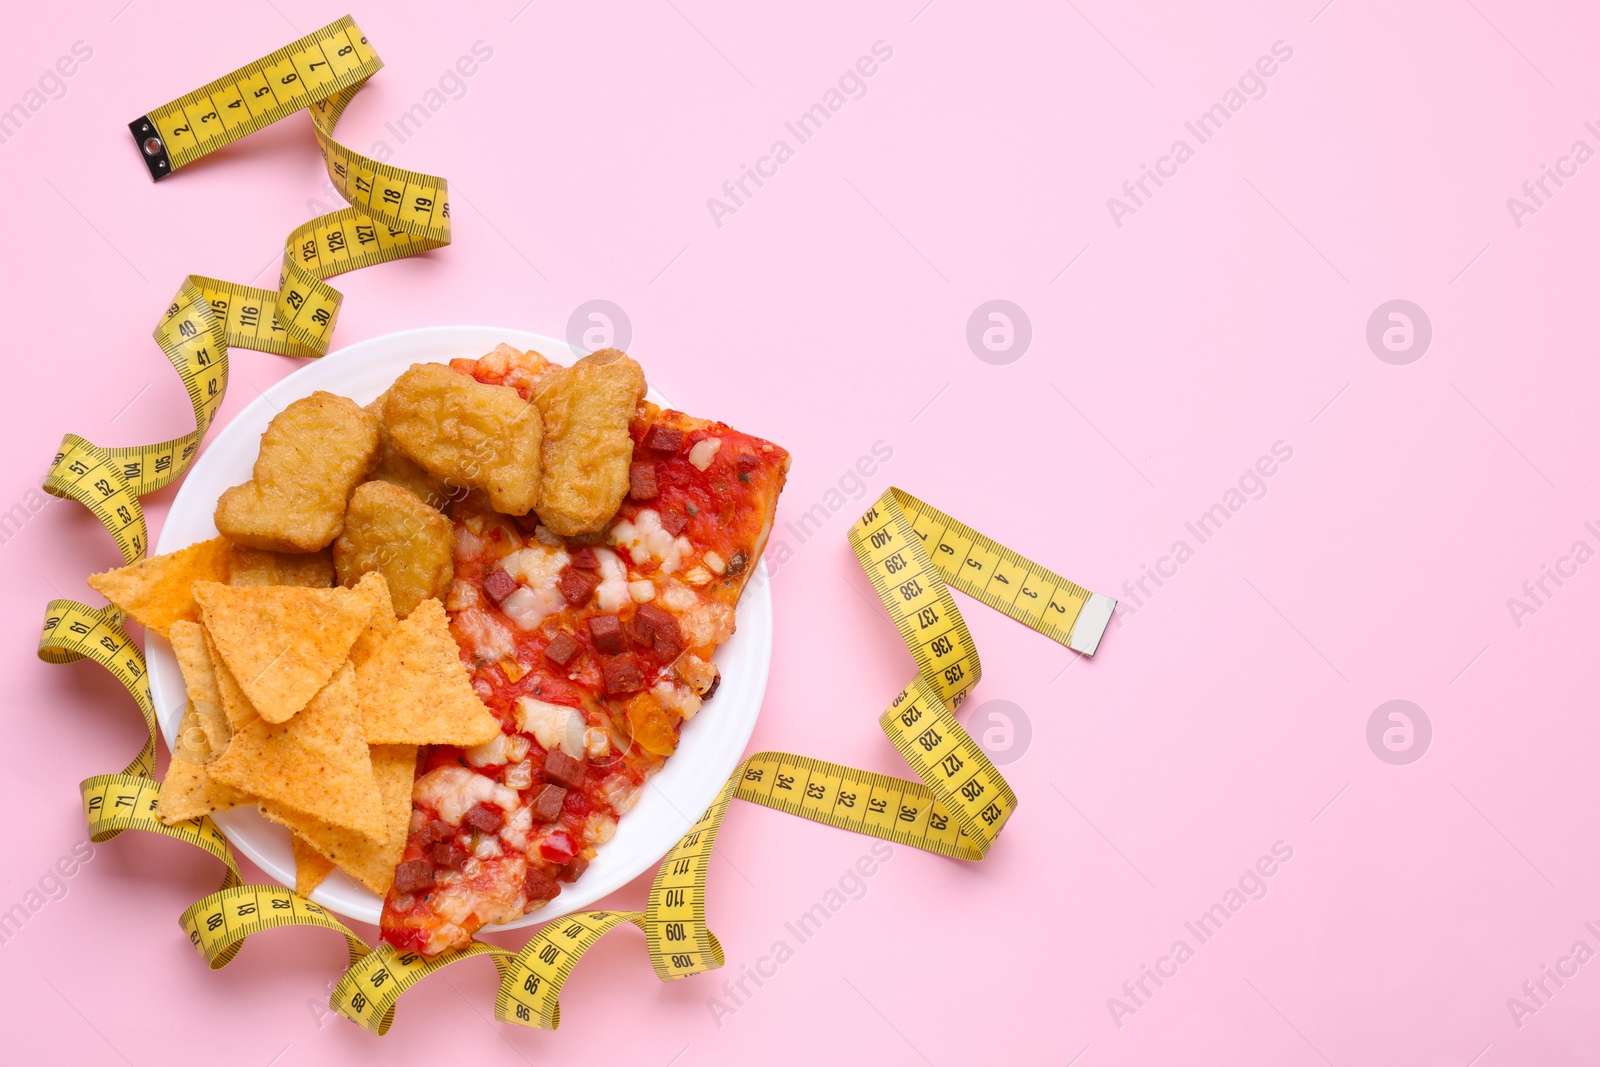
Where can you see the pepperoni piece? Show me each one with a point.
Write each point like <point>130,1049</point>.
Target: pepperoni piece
<point>622,675</point>
<point>562,649</point>
<point>484,819</point>
<point>663,438</point>
<point>450,855</point>
<point>562,769</point>
<point>642,481</point>
<point>577,586</point>
<point>540,887</point>
<point>547,805</point>
<point>674,522</point>
<point>585,559</point>
<point>413,876</point>
<point>499,584</point>
<point>607,633</point>
<point>574,870</point>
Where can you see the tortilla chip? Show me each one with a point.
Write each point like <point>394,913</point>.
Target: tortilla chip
<point>310,868</point>
<point>200,680</point>
<point>282,643</point>
<point>257,566</point>
<point>188,791</point>
<point>414,690</point>
<point>315,764</point>
<point>235,705</point>
<point>374,587</point>
<point>156,591</point>
<point>366,859</point>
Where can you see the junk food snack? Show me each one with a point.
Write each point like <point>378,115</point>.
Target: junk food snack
<point>446,638</point>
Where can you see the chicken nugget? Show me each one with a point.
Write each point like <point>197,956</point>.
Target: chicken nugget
<point>468,434</point>
<point>393,466</point>
<point>587,450</point>
<point>314,452</point>
<point>394,532</point>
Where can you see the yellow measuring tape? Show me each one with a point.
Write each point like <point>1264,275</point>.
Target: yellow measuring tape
<point>394,212</point>
<point>913,555</point>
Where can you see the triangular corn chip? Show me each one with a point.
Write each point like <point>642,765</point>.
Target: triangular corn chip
<point>200,680</point>
<point>368,860</point>
<point>414,690</point>
<point>156,591</point>
<point>310,867</point>
<point>188,791</point>
<point>282,643</point>
<point>235,705</point>
<point>316,763</point>
<point>373,587</point>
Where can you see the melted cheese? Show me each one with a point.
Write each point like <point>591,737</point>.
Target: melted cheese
<point>554,726</point>
<point>645,540</point>
<point>538,569</point>
<point>453,790</point>
<point>612,592</point>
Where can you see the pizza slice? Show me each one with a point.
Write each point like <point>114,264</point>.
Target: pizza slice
<point>593,652</point>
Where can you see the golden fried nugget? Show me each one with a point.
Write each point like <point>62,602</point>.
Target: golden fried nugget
<point>393,466</point>
<point>586,452</point>
<point>467,433</point>
<point>314,452</point>
<point>390,531</point>
<point>254,566</point>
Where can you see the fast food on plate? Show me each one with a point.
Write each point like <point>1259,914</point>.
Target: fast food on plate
<point>312,455</point>
<point>445,639</point>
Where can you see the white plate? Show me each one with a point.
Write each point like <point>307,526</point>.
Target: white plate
<point>712,742</point>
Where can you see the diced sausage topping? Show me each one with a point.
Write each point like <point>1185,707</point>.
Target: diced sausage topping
<point>484,819</point>
<point>663,439</point>
<point>577,586</point>
<point>573,870</point>
<point>674,522</point>
<point>435,831</point>
<point>540,886</point>
<point>748,461</point>
<point>652,627</point>
<point>642,481</point>
<point>562,769</point>
<point>562,649</point>
<point>547,805</point>
<point>413,876</point>
<point>499,584</point>
<point>450,855</point>
<point>607,633</point>
<point>585,559</point>
<point>622,675</point>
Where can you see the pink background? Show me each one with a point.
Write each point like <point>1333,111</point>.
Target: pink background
<point>828,313</point>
